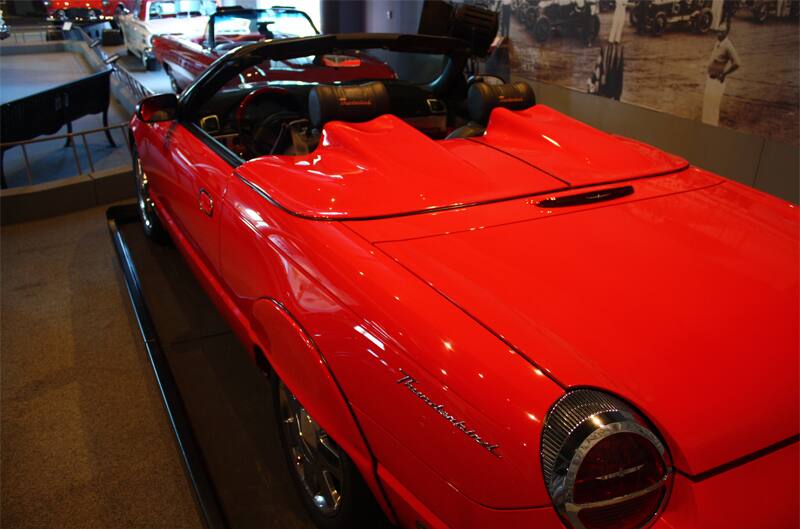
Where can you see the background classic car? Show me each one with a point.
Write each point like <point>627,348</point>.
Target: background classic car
<point>493,315</point>
<point>185,58</point>
<point>107,8</point>
<point>157,17</point>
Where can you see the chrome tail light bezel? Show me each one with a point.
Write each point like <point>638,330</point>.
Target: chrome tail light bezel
<point>575,424</point>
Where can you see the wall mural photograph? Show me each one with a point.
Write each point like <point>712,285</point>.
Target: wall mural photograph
<point>728,63</point>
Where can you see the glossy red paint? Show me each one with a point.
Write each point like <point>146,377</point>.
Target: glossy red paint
<point>681,298</point>
<point>571,150</point>
<point>186,59</point>
<point>628,306</point>
<point>357,162</point>
<point>728,499</point>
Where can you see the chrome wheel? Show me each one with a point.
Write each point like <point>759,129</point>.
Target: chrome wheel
<point>147,210</point>
<point>315,458</point>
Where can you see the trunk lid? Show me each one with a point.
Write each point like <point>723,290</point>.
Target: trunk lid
<point>573,151</point>
<point>385,167</point>
<point>686,304</point>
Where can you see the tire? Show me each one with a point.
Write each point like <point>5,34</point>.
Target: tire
<point>659,24</point>
<point>702,23</point>
<point>151,224</point>
<point>542,28</point>
<point>150,63</point>
<point>310,454</point>
<point>172,82</point>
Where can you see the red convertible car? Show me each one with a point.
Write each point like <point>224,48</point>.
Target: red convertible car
<point>478,312</point>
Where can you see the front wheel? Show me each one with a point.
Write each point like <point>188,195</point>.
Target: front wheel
<point>150,63</point>
<point>703,21</point>
<point>147,210</point>
<point>327,480</point>
<point>659,24</point>
<point>173,83</point>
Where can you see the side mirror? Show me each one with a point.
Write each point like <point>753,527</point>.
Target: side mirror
<point>162,107</point>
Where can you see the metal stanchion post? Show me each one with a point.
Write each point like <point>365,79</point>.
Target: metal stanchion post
<point>27,165</point>
<point>75,153</point>
<point>88,153</point>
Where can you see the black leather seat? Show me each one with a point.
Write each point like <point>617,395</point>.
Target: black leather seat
<point>353,103</point>
<point>482,98</point>
<point>329,103</point>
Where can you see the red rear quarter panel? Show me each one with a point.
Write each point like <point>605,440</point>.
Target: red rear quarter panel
<point>371,320</point>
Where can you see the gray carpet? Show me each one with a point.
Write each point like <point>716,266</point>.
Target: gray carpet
<point>84,441</point>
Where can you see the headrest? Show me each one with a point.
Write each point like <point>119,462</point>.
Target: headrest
<point>482,98</point>
<point>347,103</point>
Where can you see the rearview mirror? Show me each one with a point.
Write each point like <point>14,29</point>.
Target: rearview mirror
<point>162,107</point>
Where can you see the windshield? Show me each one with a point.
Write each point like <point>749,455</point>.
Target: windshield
<point>180,8</point>
<point>268,23</point>
<point>344,66</point>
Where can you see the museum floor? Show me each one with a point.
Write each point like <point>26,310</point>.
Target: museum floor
<point>84,438</point>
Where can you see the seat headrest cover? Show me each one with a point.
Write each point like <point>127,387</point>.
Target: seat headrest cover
<point>347,103</point>
<point>482,98</point>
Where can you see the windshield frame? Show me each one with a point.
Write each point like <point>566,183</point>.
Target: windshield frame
<point>230,65</point>
<point>235,61</point>
<point>210,36</point>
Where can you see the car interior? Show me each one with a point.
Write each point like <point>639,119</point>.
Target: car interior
<point>287,119</point>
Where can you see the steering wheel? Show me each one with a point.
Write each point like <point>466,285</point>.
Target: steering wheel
<point>261,115</point>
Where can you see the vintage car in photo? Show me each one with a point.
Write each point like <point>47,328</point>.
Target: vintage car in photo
<point>158,17</point>
<point>183,59</point>
<point>477,312</point>
<point>763,10</point>
<point>654,17</point>
<point>575,17</point>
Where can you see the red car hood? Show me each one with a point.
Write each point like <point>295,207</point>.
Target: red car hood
<point>686,304</point>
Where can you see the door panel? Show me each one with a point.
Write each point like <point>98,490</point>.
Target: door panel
<point>200,180</point>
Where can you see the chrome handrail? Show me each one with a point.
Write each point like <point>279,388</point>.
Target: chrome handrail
<point>70,137</point>
<point>119,75</point>
<point>19,33</point>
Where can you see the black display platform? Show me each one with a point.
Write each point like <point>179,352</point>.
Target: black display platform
<point>218,403</point>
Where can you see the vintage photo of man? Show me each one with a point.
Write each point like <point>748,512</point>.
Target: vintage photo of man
<point>723,61</point>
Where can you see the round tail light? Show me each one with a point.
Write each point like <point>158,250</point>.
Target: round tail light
<point>603,466</point>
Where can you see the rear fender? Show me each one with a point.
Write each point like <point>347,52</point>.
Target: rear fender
<point>296,360</point>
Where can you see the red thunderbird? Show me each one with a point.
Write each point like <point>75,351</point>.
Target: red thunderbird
<point>481,312</point>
